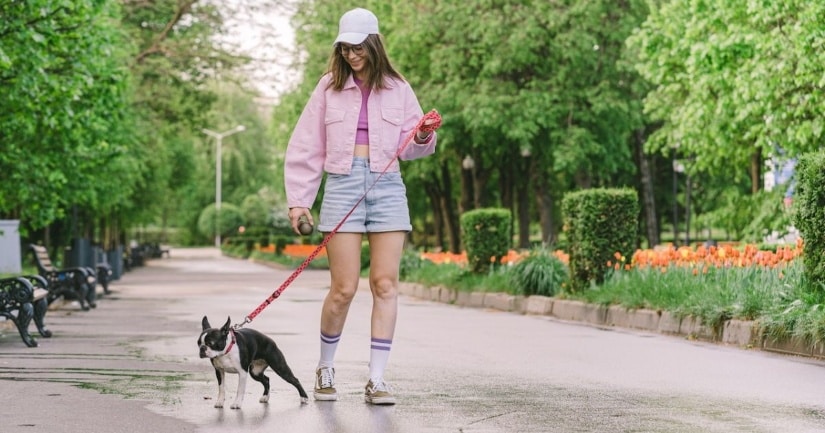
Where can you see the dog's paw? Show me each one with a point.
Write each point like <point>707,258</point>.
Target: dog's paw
<point>235,406</point>
<point>264,399</point>
<point>304,400</point>
<point>219,405</point>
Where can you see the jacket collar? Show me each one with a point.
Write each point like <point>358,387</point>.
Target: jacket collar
<point>389,82</point>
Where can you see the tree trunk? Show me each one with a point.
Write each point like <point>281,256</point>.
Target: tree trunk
<point>507,190</point>
<point>467,194</point>
<point>431,188</point>
<point>646,181</point>
<point>756,171</point>
<point>506,184</point>
<point>480,177</point>
<point>523,212</point>
<point>450,216</point>
<point>544,202</point>
<point>688,191</point>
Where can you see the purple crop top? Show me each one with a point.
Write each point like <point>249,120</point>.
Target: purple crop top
<point>362,135</point>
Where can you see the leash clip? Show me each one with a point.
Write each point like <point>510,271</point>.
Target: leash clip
<point>240,325</point>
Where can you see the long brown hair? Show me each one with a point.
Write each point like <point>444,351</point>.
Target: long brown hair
<point>378,66</point>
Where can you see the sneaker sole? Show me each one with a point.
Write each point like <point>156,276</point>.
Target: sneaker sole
<point>325,397</point>
<point>380,401</point>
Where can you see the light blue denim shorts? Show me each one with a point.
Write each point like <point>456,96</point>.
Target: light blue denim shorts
<point>383,210</point>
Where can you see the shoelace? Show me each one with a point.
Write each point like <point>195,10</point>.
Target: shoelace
<point>325,378</point>
<point>379,386</point>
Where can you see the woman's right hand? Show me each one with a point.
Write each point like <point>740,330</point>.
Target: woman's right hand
<point>295,215</point>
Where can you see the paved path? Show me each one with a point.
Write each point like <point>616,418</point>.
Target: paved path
<point>131,365</point>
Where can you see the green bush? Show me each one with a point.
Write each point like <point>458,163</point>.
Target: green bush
<point>486,235</point>
<point>809,216</point>
<point>540,273</point>
<point>410,262</point>
<point>365,255</point>
<point>598,224</point>
<point>231,219</point>
<point>280,243</point>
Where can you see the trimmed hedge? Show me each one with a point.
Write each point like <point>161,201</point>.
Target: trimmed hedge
<point>809,217</point>
<point>598,223</point>
<point>486,234</point>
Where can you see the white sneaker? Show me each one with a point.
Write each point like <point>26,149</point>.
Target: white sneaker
<point>378,393</point>
<point>325,384</point>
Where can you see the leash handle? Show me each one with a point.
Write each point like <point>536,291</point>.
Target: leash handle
<point>435,123</point>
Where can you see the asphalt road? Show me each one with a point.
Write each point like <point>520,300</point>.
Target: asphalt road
<point>131,365</point>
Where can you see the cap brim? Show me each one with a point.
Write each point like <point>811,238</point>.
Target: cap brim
<point>350,38</point>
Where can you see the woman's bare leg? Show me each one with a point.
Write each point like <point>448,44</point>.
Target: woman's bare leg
<point>385,259</point>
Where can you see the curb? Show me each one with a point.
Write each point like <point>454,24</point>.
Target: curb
<point>742,333</point>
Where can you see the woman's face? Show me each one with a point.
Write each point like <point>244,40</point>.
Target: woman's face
<point>356,57</point>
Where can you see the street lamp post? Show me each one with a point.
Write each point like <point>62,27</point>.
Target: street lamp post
<point>219,138</point>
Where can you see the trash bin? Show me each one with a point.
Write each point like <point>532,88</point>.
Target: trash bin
<point>115,259</point>
<point>80,253</point>
<point>10,260</point>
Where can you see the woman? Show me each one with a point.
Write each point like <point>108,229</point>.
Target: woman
<point>360,114</point>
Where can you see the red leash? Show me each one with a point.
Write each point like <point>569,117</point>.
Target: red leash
<point>436,122</point>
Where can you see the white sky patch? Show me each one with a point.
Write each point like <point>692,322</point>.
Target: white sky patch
<point>261,30</point>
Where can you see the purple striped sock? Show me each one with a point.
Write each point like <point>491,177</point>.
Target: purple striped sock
<point>379,344</point>
<point>379,356</point>
<point>329,343</point>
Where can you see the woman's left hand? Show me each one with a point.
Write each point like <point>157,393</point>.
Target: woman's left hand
<point>432,121</point>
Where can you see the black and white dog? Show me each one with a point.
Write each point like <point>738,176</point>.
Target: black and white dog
<point>244,352</point>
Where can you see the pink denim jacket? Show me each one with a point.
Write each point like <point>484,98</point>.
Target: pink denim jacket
<point>324,137</point>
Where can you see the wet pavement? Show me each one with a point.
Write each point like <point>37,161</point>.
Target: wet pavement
<point>131,365</point>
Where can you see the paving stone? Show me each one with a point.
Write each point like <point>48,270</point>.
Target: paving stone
<point>620,316</point>
<point>447,296</point>
<point>793,346</point>
<point>463,299</point>
<point>541,305</point>
<point>694,328</point>
<point>580,311</point>
<point>739,332</point>
<point>669,323</point>
<point>477,299</point>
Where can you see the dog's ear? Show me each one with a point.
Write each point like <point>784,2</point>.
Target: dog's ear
<point>205,323</point>
<point>226,325</point>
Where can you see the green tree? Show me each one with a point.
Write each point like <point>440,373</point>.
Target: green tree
<point>532,92</point>
<point>734,80</point>
<point>539,97</point>
<point>64,116</point>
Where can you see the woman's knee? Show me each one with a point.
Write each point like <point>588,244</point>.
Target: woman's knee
<point>341,296</point>
<point>384,288</point>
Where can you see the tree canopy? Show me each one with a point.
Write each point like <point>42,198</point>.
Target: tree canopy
<point>105,102</point>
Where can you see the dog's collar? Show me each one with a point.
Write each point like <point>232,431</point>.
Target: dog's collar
<point>231,342</point>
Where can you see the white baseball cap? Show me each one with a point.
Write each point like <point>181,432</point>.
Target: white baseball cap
<point>356,25</point>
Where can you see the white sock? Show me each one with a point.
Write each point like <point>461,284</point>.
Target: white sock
<point>328,345</point>
<point>379,355</point>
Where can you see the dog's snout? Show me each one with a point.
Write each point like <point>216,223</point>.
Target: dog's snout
<point>203,351</point>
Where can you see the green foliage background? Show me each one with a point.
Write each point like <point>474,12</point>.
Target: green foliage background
<point>104,103</point>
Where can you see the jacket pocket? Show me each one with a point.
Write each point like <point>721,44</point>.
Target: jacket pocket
<point>333,115</point>
<point>391,122</point>
<point>334,122</point>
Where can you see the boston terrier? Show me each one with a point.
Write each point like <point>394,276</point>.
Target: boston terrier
<point>243,351</point>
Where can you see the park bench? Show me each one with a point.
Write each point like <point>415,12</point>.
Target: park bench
<point>23,299</point>
<point>76,283</point>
